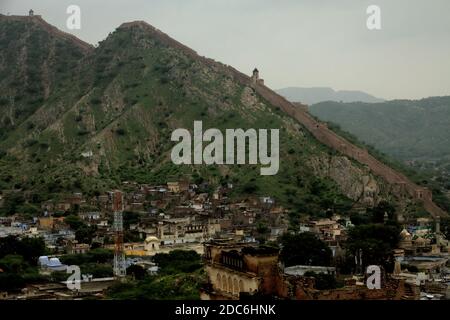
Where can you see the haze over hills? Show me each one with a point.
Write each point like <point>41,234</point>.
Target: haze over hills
<point>415,132</point>
<point>405,129</point>
<point>319,94</point>
<point>108,118</point>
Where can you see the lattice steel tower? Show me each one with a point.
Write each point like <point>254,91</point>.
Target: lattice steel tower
<point>119,254</point>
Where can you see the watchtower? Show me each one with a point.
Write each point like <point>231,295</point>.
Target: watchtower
<point>31,13</point>
<point>255,77</point>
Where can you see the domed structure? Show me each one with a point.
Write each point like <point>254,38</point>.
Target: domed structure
<point>151,244</point>
<point>420,241</point>
<point>151,239</point>
<point>405,239</point>
<point>54,262</point>
<point>405,234</point>
<point>43,260</point>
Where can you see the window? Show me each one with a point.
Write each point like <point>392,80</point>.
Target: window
<point>241,286</point>
<point>219,281</point>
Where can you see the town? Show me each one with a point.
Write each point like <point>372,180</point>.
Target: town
<point>240,240</point>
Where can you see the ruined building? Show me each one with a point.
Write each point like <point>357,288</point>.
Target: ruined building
<point>239,270</point>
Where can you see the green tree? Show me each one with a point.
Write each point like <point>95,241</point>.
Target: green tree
<point>304,249</point>
<point>380,210</point>
<point>29,248</point>
<point>74,222</point>
<point>445,227</point>
<point>375,242</point>
<point>136,271</point>
<point>13,263</point>
<point>12,203</point>
<point>178,261</point>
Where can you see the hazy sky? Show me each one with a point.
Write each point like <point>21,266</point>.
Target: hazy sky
<point>293,42</point>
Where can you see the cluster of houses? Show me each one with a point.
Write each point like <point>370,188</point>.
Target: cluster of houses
<point>175,215</point>
<point>183,215</point>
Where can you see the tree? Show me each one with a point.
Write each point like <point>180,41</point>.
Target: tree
<point>304,249</point>
<point>380,210</point>
<point>178,261</point>
<point>445,227</point>
<point>85,234</point>
<point>10,282</point>
<point>13,263</point>
<point>12,203</point>
<point>74,222</point>
<point>130,217</point>
<point>29,248</point>
<point>32,248</point>
<point>375,242</point>
<point>137,271</point>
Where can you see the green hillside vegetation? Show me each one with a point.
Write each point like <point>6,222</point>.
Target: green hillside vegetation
<point>410,136</point>
<point>34,64</point>
<point>18,262</point>
<point>123,100</point>
<point>180,277</point>
<point>404,129</point>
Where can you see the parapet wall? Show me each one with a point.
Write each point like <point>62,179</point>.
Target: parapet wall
<point>321,132</point>
<point>37,19</point>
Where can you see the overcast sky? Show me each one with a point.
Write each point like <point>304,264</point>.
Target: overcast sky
<point>306,43</point>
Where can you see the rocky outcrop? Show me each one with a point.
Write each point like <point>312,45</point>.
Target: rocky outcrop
<point>357,183</point>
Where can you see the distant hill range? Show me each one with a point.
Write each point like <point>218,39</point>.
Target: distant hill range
<point>404,129</point>
<point>319,94</point>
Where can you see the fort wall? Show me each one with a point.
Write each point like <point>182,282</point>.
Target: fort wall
<point>322,133</point>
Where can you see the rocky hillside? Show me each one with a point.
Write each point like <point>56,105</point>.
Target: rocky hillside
<point>98,117</point>
<point>414,132</point>
<point>405,129</point>
<point>36,60</point>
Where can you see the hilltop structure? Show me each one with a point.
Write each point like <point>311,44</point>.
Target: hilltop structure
<point>402,185</point>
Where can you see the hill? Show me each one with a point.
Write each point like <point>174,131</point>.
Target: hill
<point>405,129</point>
<point>319,94</point>
<point>108,118</point>
<point>36,60</point>
<point>414,132</point>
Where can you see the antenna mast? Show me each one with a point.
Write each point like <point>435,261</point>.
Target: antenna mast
<point>119,254</point>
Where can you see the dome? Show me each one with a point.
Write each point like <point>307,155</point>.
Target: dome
<point>43,260</point>
<point>405,234</point>
<point>54,262</point>
<point>151,239</point>
<point>421,241</point>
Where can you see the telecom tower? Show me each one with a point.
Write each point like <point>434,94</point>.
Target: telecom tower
<point>119,254</point>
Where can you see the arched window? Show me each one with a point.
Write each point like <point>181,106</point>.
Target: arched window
<point>235,286</point>
<point>219,281</point>
<point>230,285</point>
<point>224,283</point>
<point>241,286</point>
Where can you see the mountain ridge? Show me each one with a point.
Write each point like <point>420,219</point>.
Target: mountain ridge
<point>132,90</point>
<point>314,95</point>
<point>50,28</point>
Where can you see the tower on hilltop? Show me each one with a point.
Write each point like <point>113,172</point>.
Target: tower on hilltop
<point>255,77</point>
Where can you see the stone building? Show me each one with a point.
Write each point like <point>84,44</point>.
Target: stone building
<point>238,268</point>
<point>255,77</point>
